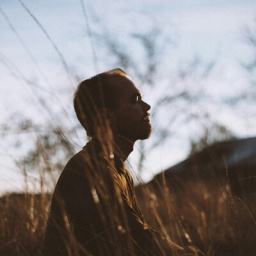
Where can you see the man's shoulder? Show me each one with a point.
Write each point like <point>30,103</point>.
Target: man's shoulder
<point>80,160</point>
<point>84,165</point>
<point>85,159</point>
<point>76,169</point>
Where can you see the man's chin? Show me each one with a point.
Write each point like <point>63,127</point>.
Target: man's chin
<point>146,134</point>
<point>140,134</point>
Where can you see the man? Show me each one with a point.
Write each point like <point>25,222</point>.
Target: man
<point>94,210</point>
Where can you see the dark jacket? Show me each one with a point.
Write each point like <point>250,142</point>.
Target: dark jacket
<point>94,210</point>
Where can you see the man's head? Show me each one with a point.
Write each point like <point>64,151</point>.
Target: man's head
<point>113,96</point>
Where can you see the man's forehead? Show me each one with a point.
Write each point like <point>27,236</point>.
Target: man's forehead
<point>124,85</point>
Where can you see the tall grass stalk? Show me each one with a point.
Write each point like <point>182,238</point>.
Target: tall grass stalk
<point>193,213</point>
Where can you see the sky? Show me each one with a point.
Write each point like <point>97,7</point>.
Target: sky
<point>39,39</point>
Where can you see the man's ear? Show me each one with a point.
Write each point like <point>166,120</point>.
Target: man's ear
<point>106,114</point>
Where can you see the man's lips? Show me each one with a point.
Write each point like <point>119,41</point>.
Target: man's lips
<point>146,117</point>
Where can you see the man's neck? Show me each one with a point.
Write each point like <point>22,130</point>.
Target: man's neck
<point>123,147</point>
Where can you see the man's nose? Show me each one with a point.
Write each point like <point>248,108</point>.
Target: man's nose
<point>146,106</point>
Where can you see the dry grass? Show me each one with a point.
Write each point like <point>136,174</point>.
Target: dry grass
<point>198,213</point>
<point>204,213</point>
<point>22,223</point>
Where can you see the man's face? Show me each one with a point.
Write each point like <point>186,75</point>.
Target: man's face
<point>131,118</point>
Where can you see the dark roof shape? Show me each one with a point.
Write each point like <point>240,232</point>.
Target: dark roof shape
<point>226,154</point>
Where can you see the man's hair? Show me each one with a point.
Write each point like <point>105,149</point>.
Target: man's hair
<point>94,94</point>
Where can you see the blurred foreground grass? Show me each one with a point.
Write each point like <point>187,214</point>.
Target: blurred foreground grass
<point>201,213</point>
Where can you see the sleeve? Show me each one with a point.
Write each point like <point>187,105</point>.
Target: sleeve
<point>86,201</point>
<point>74,218</point>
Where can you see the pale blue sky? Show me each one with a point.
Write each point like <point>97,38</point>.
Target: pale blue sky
<point>209,28</point>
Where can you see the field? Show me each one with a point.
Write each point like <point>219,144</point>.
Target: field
<point>204,213</point>
<point>200,213</point>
